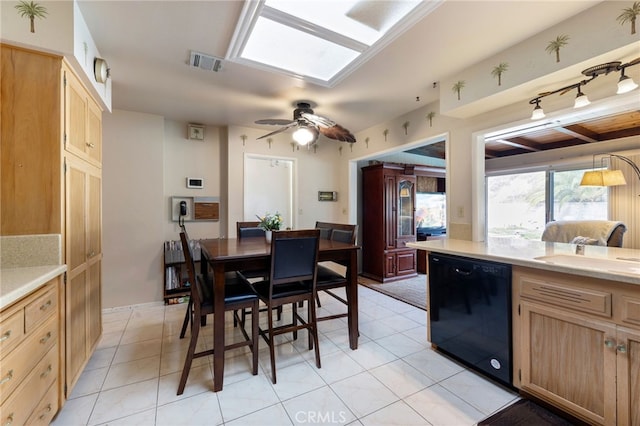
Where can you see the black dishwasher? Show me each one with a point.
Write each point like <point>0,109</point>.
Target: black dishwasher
<point>470,313</point>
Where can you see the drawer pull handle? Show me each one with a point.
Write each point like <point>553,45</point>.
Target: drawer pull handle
<point>46,305</point>
<point>6,379</point>
<point>47,410</point>
<point>45,338</point>
<point>5,336</point>
<point>90,145</point>
<point>622,348</point>
<point>46,372</point>
<point>9,419</point>
<point>609,343</point>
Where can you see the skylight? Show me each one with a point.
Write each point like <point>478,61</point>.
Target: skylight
<point>320,41</point>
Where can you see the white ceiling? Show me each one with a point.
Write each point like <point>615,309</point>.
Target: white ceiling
<point>147,45</point>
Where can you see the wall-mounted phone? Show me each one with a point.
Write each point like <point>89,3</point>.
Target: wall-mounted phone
<point>183,208</point>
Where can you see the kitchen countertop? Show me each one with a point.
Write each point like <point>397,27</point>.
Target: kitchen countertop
<point>608,263</point>
<point>26,263</point>
<point>16,283</point>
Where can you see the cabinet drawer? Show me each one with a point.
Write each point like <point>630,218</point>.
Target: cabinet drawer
<point>40,309</point>
<point>18,408</point>
<point>630,310</point>
<point>19,363</point>
<point>575,298</point>
<point>47,408</point>
<point>11,332</point>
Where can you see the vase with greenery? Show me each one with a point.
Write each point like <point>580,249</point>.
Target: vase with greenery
<point>270,222</point>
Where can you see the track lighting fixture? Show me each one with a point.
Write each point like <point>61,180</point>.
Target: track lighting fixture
<point>538,113</point>
<point>581,99</point>
<point>625,84</point>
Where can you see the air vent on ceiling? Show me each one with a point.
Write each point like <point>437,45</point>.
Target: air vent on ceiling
<point>205,62</point>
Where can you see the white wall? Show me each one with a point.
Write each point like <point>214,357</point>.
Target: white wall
<point>133,213</point>
<point>188,158</point>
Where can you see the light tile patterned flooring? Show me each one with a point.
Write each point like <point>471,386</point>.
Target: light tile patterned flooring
<point>393,378</point>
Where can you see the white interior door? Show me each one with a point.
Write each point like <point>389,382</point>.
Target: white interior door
<point>269,187</point>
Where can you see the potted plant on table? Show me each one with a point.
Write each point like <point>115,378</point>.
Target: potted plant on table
<point>270,222</point>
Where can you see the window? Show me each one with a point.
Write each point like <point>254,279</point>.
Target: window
<point>519,205</point>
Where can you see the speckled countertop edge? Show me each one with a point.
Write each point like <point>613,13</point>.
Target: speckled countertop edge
<point>524,253</point>
<point>26,263</point>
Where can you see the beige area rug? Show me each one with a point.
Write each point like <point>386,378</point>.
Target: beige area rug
<point>412,290</point>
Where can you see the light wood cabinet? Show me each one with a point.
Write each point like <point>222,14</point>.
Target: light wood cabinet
<point>51,153</point>
<point>83,122</point>
<point>576,345</point>
<point>84,260</point>
<point>31,357</point>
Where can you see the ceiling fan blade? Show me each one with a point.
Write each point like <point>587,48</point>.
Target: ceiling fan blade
<point>318,120</point>
<point>337,132</point>
<point>281,129</point>
<point>275,122</point>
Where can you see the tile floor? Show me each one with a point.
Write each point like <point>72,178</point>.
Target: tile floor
<point>393,378</point>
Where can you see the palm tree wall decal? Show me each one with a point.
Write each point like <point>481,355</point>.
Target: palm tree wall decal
<point>31,10</point>
<point>630,14</point>
<point>430,118</point>
<point>498,70</point>
<point>555,45</point>
<point>458,87</point>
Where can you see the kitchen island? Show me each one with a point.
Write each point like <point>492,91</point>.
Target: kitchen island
<point>575,323</point>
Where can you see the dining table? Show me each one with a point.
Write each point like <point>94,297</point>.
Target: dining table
<point>232,254</point>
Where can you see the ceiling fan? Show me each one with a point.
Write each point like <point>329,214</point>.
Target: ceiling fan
<point>309,125</point>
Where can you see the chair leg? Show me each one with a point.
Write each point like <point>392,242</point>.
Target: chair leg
<point>195,330</point>
<point>255,334</point>
<point>294,311</point>
<point>187,319</point>
<point>318,300</point>
<point>313,330</point>
<point>272,352</point>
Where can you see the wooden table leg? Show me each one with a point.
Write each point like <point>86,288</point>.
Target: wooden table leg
<point>218,327</point>
<point>352,308</point>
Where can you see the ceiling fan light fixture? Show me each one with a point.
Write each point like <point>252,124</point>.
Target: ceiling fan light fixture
<point>626,84</point>
<point>304,135</point>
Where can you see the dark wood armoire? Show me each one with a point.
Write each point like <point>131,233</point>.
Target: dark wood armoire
<point>388,219</point>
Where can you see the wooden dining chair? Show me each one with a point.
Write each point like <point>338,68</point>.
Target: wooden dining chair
<point>230,277</point>
<point>238,296</point>
<point>249,229</point>
<point>292,279</point>
<point>330,278</point>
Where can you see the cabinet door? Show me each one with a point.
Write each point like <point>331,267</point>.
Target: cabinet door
<point>566,360</point>
<point>83,122</point>
<point>406,262</point>
<point>84,260</point>
<point>628,348</point>
<point>390,215</point>
<point>94,257</point>
<point>75,115</point>
<point>406,219</point>
<point>94,133</point>
<point>389,265</point>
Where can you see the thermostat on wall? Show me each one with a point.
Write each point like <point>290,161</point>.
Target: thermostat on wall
<point>195,182</point>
